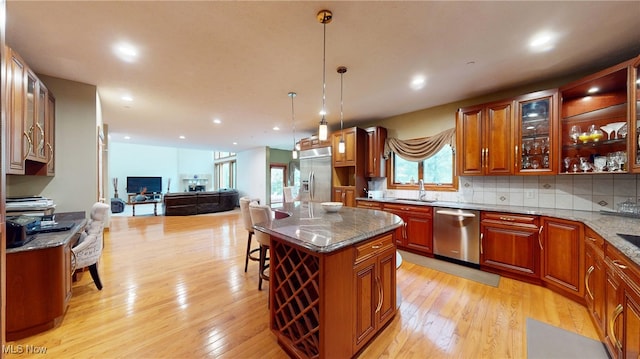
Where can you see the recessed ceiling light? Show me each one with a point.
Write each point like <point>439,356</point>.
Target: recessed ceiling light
<point>181,137</point>
<point>418,82</point>
<point>217,121</point>
<point>127,137</point>
<point>127,98</point>
<point>593,90</point>
<point>276,128</point>
<point>235,143</point>
<point>126,52</point>
<point>542,42</point>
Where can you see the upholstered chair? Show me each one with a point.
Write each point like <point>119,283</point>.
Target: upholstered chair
<point>261,214</point>
<point>89,248</point>
<point>246,219</point>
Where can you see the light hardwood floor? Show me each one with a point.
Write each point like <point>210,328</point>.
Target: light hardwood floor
<point>175,287</point>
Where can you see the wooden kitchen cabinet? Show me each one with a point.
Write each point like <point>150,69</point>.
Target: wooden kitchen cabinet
<point>484,139</point>
<point>595,279</point>
<point>416,234</point>
<point>634,126</point>
<point>593,102</point>
<point>351,138</point>
<point>510,245</point>
<point>376,164</point>
<point>562,255</point>
<point>374,278</point>
<point>345,194</point>
<point>15,130</point>
<point>535,127</point>
<point>622,305</point>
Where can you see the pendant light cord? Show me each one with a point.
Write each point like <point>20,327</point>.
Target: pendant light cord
<point>324,69</point>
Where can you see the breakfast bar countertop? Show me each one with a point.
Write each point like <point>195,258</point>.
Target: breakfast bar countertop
<point>311,227</point>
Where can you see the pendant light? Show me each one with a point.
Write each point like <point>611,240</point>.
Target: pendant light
<point>324,17</point>
<point>341,147</point>
<point>294,154</point>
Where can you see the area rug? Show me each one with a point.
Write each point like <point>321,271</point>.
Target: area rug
<point>548,342</point>
<point>452,268</point>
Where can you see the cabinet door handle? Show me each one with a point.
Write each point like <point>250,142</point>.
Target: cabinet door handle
<point>380,294</point>
<point>25,134</point>
<point>540,237</point>
<point>586,281</point>
<point>612,327</point>
<point>404,230</point>
<point>41,143</point>
<point>50,153</point>
<point>74,262</point>
<point>481,247</point>
<point>618,264</point>
<point>516,162</point>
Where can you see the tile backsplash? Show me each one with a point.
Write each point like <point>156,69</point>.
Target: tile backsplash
<point>577,192</point>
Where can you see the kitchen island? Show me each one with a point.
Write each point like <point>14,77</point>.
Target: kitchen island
<point>332,282</point>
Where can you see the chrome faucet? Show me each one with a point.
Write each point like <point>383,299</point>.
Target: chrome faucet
<point>421,191</point>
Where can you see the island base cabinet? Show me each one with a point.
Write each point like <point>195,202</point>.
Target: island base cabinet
<point>330,305</point>
<point>595,279</point>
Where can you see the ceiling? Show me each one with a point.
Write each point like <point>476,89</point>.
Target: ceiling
<point>237,60</point>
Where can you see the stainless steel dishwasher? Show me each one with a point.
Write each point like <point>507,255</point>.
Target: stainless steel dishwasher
<point>456,234</point>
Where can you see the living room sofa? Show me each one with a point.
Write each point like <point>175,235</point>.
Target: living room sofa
<point>190,203</point>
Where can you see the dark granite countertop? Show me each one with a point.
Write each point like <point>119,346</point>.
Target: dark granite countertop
<point>607,226</point>
<point>54,239</point>
<point>309,226</point>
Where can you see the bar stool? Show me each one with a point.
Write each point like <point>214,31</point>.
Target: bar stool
<point>261,214</point>
<point>248,225</point>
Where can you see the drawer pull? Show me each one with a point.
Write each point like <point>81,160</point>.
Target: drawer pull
<point>591,239</point>
<point>618,264</point>
<point>506,219</point>
<point>376,246</point>
<point>586,281</point>
<point>612,327</point>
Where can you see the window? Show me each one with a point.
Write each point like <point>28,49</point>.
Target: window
<point>437,172</point>
<point>225,170</point>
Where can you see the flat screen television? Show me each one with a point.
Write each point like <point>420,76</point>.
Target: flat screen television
<point>136,184</point>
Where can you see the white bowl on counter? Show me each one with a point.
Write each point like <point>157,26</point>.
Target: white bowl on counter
<point>331,207</point>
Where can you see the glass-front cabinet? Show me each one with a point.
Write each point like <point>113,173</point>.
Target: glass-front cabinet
<point>593,126</point>
<point>536,122</point>
<point>635,118</point>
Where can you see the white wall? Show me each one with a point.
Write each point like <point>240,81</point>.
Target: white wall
<point>172,164</point>
<point>252,173</point>
<point>75,186</point>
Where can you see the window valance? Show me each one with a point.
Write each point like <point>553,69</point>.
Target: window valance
<point>419,149</point>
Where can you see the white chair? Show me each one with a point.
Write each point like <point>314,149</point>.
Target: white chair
<point>288,194</point>
<point>261,214</point>
<point>89,248</point>
<point>248,225</point>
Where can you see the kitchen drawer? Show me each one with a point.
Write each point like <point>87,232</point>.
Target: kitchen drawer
<point>510,219</point>
<point>372,247</point>
<point>624,265</point>
<point>369,204</point>
<point>426,210</point>
<point>593,238</point>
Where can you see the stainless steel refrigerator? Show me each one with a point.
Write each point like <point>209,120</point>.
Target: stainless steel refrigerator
<point>315,174</point>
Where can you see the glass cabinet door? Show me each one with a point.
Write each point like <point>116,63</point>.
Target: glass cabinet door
<point>536,123</point>
<point>594,123</point>
<point>30,114</point>
<point>40,123</point>
<point>635,119</point>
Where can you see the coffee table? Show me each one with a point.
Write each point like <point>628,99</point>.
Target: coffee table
<point>149,201</point>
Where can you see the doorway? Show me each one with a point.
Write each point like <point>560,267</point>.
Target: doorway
<point>278,177</point>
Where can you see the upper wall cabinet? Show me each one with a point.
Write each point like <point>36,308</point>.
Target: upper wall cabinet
<point>484,139</point>
<point>375,166</point>
<point>634,128</point>
<point>535,126</point>
<point>30,129</point>
<point>594,125</point>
